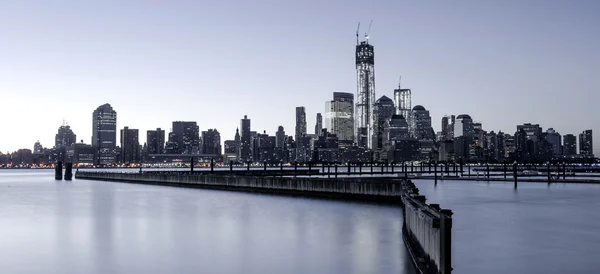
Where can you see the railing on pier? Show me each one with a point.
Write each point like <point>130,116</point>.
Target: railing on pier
<point>427,231</point>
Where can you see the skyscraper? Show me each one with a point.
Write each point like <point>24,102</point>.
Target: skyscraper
<point>155,140</point>
<point>211,142</point>
<point>104,134</point>
<point>554,139</point>
<point>300,122</point>
<point>398,128</point>
<point>339,116</point>
<point>65,137</point>
<point>422,129</point>
<point>245,140</point>
<point>445,123</point>
<point>585,143</point>
<point>402,100</point>
<point>130,146</point>
<point>464,126</point>
<point>365,92</point>
<point>384,109</point>
<point>187,136</point>
<point>319,124</point>
<point>280,137</point>
<point>569,145</point>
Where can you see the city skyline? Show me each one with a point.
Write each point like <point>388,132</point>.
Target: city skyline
<point>62,92</point>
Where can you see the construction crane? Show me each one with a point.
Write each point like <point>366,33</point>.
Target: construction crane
<point>357,29</point>
<point>368,30</point>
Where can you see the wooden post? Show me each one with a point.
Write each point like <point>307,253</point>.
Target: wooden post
<point>336,170</point>
<point>515,173</point>
<point>435,173</point>
<point>549,174</point>
<point>192,164</point>
<point>212,165</point>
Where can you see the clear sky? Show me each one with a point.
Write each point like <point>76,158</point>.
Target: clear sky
<point>503,62</point>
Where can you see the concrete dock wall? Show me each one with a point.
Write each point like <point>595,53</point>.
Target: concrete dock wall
<point>427,231</point>
<point>377,189</point>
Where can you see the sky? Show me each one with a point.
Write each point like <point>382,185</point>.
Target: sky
<point>502,62</point>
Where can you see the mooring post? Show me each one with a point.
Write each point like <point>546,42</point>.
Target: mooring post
<point>231,166</point>
<point>435,172</point>
<point>248,166</point>
<point>549,174</point>
<point>281,166</point>
<point>349,167</point>
<point>487,167</point>
<point>564,171</point>
<point>382,168</point>
<point>412,165</point>
<point>265,165</point>
<point>192,164</point>
<point>515,173</point>
<point>393,163</point>
<point>429,164</point>
<point>295,168</point>
<point>504,170</point>
<point>68,171</point>
<point>446,241</point>
<point>328,170</point>
<point>335,170</point>
<point>461,167</point>
<point>469,169</point>
<point>310,168</point>
<point>58,171</point>
<point>360,168</point>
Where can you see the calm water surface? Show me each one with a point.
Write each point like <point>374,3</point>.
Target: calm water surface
<point>49,226</point>
<point>538,228</point>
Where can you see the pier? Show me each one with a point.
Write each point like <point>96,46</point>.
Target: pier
<point>426,230</point>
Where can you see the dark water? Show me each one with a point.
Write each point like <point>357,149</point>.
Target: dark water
<point>538,228</point>
<point>49,226</point>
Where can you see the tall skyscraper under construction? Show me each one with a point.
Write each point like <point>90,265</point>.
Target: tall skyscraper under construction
<point>365,92</point>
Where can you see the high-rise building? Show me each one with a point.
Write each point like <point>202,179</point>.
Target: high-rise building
<point>398,128</point>
<point>280,137</point>
<point>569,145</point>
<point>402,100</point>
<point>104,134</point>
<point>187,136</point>
<point>319,124</point>
<point>172,147</point>
<point>555,140</point>
<point>422,129</point>
<point>65,137</point>
<point>155,141</point>
<point>445,123</point>
<point>365,93</point>
<point>463,126</point>
<point>384,109</point>
<point>300,122</point>
<point>339,116</point>
<point>38,148</point>
<point>586,143</point>
<point>245,140</point>
<point>130,146</point>
<point>211,142</point>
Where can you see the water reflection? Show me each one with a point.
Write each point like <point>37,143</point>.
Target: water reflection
<point>103,227</point>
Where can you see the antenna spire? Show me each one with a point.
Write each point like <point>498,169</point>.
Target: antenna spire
<point>399,81</point>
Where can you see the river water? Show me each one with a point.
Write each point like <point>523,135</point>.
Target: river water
<point>537,228</point>
<point>49,226</point>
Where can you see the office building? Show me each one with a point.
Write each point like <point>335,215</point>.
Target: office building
<point>245,140</point>
<point>211,142</point>
<point>300,123</point>
<point>155,141</point>
<point>104,134</point>
<point>319,124</point>
<point>339,116</point>
<point>586,147</point>
<point>130,146</point>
